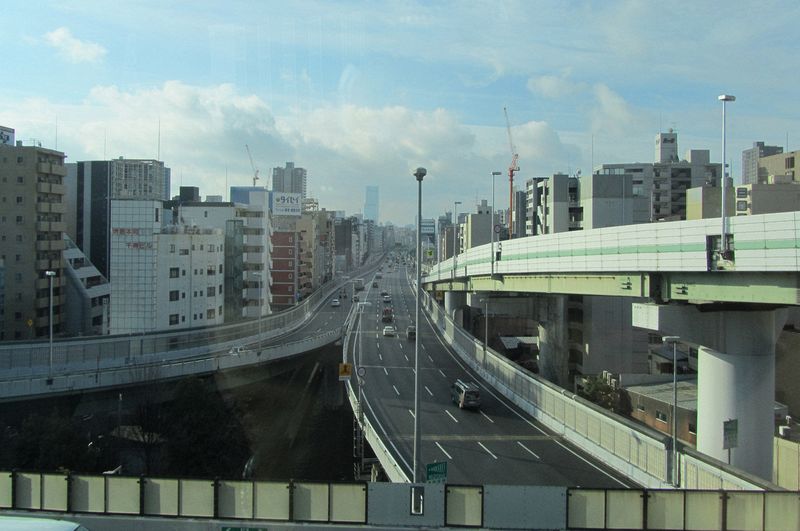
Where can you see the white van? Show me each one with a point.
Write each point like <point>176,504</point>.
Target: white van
<point>25,523</point>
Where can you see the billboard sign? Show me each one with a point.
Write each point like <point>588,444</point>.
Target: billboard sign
<point>285,204</point>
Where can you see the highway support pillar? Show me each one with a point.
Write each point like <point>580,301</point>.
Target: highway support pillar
<point>735,381</point>
<point>551,314</point>
<point>454,302</point>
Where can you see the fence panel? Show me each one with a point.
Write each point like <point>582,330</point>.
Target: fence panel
<point>665,509</point>
<point>196,497</point>
<point>586,509</point>
<point>310,502</point>
<point>781,511</point>
<point>87,494</point>
<point>349,503</point>
<point>703,511</point>
<point>272,500</point>
<point>28,491</point>
<point>122,495</point>
<point>464,506</point>
<point>624,509</point>
<point>161,497</point>
<point>6,489</point>
<point>235,499</point>
<point>55,492</point>
<point>745,510</point>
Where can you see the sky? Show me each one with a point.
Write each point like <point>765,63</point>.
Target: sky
<point>362,93</point>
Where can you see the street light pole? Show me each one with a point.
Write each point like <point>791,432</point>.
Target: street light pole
<point>724,242</point>
<point>50,275</point>
<point>491,218</point>
<point>260,307</point>
<point>455,233</point>
<point>674,340</point>
<point>358,360</point>
<point>419,174</point>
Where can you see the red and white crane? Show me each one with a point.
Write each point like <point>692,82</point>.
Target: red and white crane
<point>252,165</point>
<point>512,169</point>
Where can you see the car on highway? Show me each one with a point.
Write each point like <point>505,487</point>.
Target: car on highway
<point>411,332</point>
<point>335,303</point>
<point>465,395</point>
<point>389,331</point>
<point>387,299</point>
<point>356,298</point>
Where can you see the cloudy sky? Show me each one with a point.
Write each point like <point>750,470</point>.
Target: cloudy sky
<point>363,92</point>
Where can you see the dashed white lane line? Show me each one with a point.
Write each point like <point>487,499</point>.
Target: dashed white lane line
<point>380,357</point>
<point>487,450</point>
<point>385,371</point>
<point>411,412</point>
<point>528,450</point>
<point>452,417</point>
<point>443,374</point>
<point>487,417</point>
<point>406,357</point>
<point>431,359</point>
<point>443,451</point>
<point>429,391</point>
<point>395,390</point>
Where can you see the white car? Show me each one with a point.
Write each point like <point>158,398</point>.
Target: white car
<point>335,303</point>
<point>389,331</point>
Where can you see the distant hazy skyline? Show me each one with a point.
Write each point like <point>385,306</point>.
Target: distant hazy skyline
<point>362,93</point>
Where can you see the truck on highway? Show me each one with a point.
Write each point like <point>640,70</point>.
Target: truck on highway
<point>358,284</point>
<point>387,315</point>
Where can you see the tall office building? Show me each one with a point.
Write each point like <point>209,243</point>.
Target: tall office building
<point>290,180</point>
<point>750,166</point>
<point>31,230</point>
<point>90,188</point>
<point>371,206</point>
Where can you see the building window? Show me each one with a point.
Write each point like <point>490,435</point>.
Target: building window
<point>184,252</point>
<point>19,220</point>
<point>19,238</point>
<point>173,319</point>
<point>18,316</point>
<point>661,416</point>
<point>156,215</point>
<point>20,179</point>
<point>173,272</point>
<point>210,291</point>
<point>173,295</point>
<point>741,205</point>
<point>210,314</point>
<point>172,248</point>
<point>19,160</point>
<point>19,199</point>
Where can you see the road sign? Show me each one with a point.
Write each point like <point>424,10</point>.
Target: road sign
<point>429,253</point>
<point>345,370</point>
<point>730,434</point>
<point>496,229</point>
<point>436,472</point>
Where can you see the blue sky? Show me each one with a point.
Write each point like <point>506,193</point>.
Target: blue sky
<point>363,92</point>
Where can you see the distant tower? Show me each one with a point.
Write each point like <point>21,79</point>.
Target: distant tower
<point>667,147</point>
<point>371,204</point>
<point>290,180</point>
<point>750,172</point>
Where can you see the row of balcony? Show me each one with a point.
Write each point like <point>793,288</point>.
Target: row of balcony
<point>50,188</point>
<point>52,169</point>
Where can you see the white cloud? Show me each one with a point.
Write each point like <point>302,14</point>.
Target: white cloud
<point>72,49</point>
<point>612,113</point>
<point>555,87</point>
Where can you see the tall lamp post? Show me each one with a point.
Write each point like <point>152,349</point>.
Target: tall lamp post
<point>724,242</point>
<point>358,360</point>
<point>419,174</point>
<point>258,275</point>
<point>50,275</point>
<point>674,340</point>
<point>491,218</point>
<point>455,234</point>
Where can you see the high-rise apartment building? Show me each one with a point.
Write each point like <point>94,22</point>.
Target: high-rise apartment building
<point>290,180</point>
<point>31,229</point>
<point>90,188</point>
<point>371,203</point>
<point>783,165</point>
<point>750,162</point>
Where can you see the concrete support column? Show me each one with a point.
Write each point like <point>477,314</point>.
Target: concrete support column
<point>553,348</point>
<point>736,376</point>
<point>454,301</point>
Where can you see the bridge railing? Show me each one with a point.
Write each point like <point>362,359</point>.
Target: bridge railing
<point>638,452</point>
<point>353,504</point>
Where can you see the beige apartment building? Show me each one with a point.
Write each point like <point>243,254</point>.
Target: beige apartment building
<point>31,243</point>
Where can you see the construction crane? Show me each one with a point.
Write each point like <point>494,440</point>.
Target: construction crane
<point>252,165</point>
<point>512,169</point>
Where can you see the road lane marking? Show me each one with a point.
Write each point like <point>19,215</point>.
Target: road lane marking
<point>406,357</point>
<point>395,390</point>
<point>429,391</point>
<point>412,413</point>
<point>452,417</point>
<point>385,371</point>
<point>443,374</point>
<point>487,417</point>
<point>487,450</point>
<point>401,346</point>
<point>430,359</point>
<point>443,451</point>
<point>529,450</point>
<point>423,346</point>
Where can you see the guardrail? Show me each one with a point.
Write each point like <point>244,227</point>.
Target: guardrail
<point>356,504</point>
<point>638,452</point>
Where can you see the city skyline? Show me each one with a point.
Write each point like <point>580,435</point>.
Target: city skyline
<point>362,95</point>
